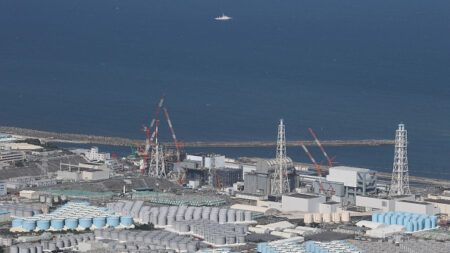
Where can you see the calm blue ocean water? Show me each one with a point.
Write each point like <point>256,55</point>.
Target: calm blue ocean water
<point>349,69</point>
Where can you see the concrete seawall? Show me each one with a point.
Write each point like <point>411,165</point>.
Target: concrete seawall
<point>118,141</point>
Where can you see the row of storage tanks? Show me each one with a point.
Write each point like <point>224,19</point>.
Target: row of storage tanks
<point>213,233</point>
<point>17,210</point>
<point>49,199</point>
<point>155,239</point>
<point>164,215</point>
<point>61,243</point>
<point>73,215</point>
<point>331,247</point>
<point>277,247</point>
<point>412,221</point>
<point>327,217</point>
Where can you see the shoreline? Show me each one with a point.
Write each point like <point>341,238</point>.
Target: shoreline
<point>48,136</point>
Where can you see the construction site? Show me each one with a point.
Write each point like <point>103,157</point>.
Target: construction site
<point>161,198</point>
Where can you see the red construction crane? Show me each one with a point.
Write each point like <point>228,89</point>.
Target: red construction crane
<point>148,130</point>
<point>319,169</point>
<point>330,161</point>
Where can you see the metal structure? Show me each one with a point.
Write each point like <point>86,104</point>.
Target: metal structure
<point>157,166</point>
<point>330,161</point>
<point>280,180</point>
<point>400,177</point>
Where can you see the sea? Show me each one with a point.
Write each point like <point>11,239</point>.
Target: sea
<point>349,69</point>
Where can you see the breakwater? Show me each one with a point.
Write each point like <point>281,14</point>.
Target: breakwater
<point>119,141</point>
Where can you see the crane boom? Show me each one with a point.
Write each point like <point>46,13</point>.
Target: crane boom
<point>321,148</point>
<point>319,170</point>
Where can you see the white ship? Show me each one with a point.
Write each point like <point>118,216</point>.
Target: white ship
<point>223,18</point>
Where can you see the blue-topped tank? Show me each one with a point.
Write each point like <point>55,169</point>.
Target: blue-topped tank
<point>406,220</point>
<point>113,221</point>
<point>434,220</point>
<point>400,219</point>
<point>99,222</point>
<point>85,222</point>
<point>29,225</point>
<point>387,219</point>
<point>415,225</point>
<point>394,219</point>
<point>427,223</point>
<point>57,224</point>
<point>43,224</point>
<point>126,220</point>
<point>381,217</point>
<point>17,222</point>
<point>420,223</point>
<point>375,217</point>
<point>71,223</point>
<point>409,227</point>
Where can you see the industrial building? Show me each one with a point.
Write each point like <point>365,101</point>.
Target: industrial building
<point>385,204</point>
<point>3,189</point>
<point>302,202</point>
<point>443,205</point>
<point>94,155</point>
<point>85,172</point>
<point>416,206</point>
<point>7,157</point>
<point>357,181</point>
<point>259,182</point>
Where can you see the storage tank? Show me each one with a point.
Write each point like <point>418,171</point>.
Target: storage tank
<point>420,223</point>
<point>308,218</point>
<point>415,225</point>
<point>427,223</point>
<point>71,223</point>
<point>317,218</point>
<point>375,217</point>
<point>52,246</point>
<point>23,249</point>
<point>39,249</point>
<point>85,222</point>
<point>345,217</point>
<point>381,217</point>
<point>336,217</point>
<point>326,217</point>
<point>113,221</point>
<point>231,239</point>
<point>400,219</point>
<point>43,224</point>
<point>393,219</point>
<point>99,222</point>
<point>57,224</point>
<point>126,220</point>
<point>434,220</point>
<point>248,216</point>
<point>59,244</point>
<point>17,222</point>
<point>29,225</point>
<point>231,215</point>
<point>387,218</point>
<point>14,249</point>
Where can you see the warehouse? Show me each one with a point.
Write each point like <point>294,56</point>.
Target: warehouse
<point>442,204</point>
<point>416,206</point>
<point>385,204</point>
<point>302,202</point>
